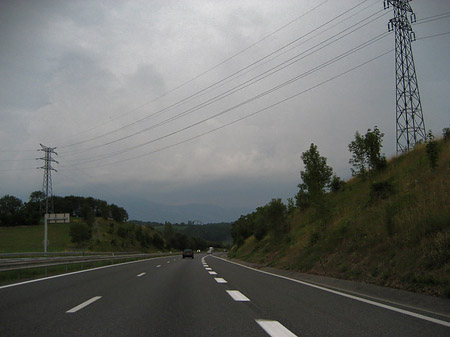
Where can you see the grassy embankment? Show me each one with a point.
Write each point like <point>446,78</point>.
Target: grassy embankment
<point>397,237</point>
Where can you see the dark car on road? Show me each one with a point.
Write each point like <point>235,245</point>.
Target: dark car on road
<point>188,253</point>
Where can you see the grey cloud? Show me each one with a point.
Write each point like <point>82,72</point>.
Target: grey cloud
<point>85,68</point>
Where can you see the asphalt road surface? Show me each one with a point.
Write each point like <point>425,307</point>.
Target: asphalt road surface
<point>205,296</point>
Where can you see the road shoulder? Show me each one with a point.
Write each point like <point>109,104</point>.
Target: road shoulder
<point>420,303</point>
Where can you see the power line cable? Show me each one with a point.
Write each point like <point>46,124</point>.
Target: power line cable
<point>212,85</point>
<point>432,18</point>
<point>345,54</point>
<point>249,82</point>
<point>275,88</point>
<point>206,71</point>
<point>216,129</point>
<point>249,115</point>
<point>430,36</point>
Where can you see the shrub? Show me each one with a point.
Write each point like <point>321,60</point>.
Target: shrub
<point>337,184</point>
<point>260,231</point>
<point>381,190</point>
<point>79,232</point>
<point>122,232</point>
<point>432,150</point>
<point>446,133</point>
<point>157,240</point>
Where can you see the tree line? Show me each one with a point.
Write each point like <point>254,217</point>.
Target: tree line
<point>15,212</point>
<point>179,241</point>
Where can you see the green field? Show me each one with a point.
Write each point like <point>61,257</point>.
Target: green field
<point>31,238</point>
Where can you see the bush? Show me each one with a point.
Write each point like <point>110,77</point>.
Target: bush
<point>260,231</point>
<point>79,232</point>
<point>432,150</point>
<point>122,232</point>
<point>381,190</point>
<point>337,184</point>
<point>446,133</point>
<point>158,241</point>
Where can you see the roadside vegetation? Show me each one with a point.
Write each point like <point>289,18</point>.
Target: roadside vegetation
<point>95,226</point>
<point>388,225</point>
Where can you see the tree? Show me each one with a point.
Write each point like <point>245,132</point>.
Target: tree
<point>358,150</point>
<point>446,133</point>
<point>302,198</point>
<point>157,240</point>
<point>88,214</point>
<point>259,223</point>
<point>32,211</point>
<point>37,197</point>
<point>103,209</point>
<point>337,184</point>
<point>118,213</point>
<point>432,150</point>
<point>168,234</point>
<point>11,211</point>
<point>365,151</point>
<point>373,144</point>
<point>276,215</point>
<point>242,228</point>
<point>317,174</point>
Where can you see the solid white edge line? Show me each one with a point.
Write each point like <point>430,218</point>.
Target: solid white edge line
<point>141,274</point>
<point>82,305</point>
<point>238,296</point>
<point>274,328</point>
<point>78,272</point>
<point>377,304</point>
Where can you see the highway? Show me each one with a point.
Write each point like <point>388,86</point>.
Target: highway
<point>205,296</point>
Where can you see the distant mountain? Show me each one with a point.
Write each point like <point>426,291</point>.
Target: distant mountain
<point>204,213</point>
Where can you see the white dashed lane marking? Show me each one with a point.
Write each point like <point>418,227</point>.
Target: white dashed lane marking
<point>82,305</point>
<point>141,274</point>
<point>274,328</point>
<point>238,296</point>
<point>220,280</point>
<point>212,273</point>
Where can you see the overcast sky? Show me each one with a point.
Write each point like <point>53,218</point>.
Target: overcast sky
<point>172,101</point>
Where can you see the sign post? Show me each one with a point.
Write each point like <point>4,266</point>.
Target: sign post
<point>45,234</point>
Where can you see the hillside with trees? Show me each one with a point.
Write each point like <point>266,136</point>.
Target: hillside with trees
<point>15,212</point>
<point>95,226</point>
<point>388,225</point>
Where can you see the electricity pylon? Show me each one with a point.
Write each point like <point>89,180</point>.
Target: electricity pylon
<point>410,125</point>
<point>47,184</point>
<point>47,181</point>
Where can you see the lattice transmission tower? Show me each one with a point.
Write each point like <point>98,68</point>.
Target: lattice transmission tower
<point>47,181</point>
<point>410,124</point>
